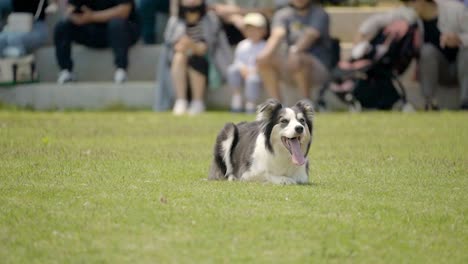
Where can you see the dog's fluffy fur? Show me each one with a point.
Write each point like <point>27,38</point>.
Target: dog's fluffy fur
<point>273,148</point>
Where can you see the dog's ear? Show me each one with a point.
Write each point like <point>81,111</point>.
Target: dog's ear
<point>307,108</point>
<point>266,110</point>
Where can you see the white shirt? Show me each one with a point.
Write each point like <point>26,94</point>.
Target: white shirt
<point>246,52</point>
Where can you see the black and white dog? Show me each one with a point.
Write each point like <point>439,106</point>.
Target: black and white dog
<point>273,148</point>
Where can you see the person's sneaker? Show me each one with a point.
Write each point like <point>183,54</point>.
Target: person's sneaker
<point>120,76</point>
<point>196,107</point>
<point>180,107</point>
<point>236,103</point>
<point>250,108</point>
<point>65,76</point>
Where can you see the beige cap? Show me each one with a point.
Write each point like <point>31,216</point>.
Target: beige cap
<point>255,19</point>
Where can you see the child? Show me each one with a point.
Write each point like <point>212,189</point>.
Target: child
<point>243,70</point>
<point>191,37</point>
<point>189,62</point>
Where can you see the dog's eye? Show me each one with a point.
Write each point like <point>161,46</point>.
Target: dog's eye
<point>284,121</point>
<point>301,120</point>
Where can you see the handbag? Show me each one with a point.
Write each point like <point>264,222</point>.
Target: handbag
<point>21,22</point>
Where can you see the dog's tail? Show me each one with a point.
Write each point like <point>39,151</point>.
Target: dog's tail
<point>222,167</point>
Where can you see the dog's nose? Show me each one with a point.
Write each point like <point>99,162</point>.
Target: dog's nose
<point>299,129</point>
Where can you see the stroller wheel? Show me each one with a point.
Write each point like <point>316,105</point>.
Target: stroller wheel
<point>355,107</point>
<point>353,104</point>
<point>403,106</point>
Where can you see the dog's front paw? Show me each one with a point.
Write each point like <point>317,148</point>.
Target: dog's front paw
<point>231,178</point>
<point>281,180</point>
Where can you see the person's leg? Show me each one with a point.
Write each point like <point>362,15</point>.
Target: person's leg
<point>234,80</point>
<point>63,37</point>
<point>198,73</point>
<point>300,69</point>
<point>432,65</point>
<point>90,35</point>
<point>306,69</point>
<point>198,84</point>
<point>269,74</point>
<point>253,84</point>
<point>462,68</point>
<point>121,35</point>
<point>179,75</point>
<point>33,40</point>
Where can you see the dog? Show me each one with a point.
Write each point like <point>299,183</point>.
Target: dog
<point>274,148</point>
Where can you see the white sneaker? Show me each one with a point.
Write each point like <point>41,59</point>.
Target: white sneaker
<point>65,76</point>
<point>236,103</point>
<point>120,76</point>
<point>180,107</point>
<point>13,52</point>
<point>196,107</point>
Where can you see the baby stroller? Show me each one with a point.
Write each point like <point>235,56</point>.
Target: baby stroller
<point>370,78</point>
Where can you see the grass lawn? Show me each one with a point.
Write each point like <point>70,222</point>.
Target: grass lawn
<point>130,187</point>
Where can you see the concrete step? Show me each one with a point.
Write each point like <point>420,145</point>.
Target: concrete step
<point>90,95</point>
<point>140,95</point>
<point>96,65</point>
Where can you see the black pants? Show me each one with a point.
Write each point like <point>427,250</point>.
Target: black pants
<point>119,34</point>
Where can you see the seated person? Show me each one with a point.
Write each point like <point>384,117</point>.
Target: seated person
<point>305,27</point>
<point>96,24</point>
<point>16,43</point>
<point>243,71</point>
<point>194,37</point>
<point>444,53</point>
<point>147,10</point>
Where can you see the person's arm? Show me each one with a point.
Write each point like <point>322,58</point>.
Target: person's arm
<point>186,44</point>
<point>119,11</point>
<point>276,36</point>
<point>88,16</point>
<point>310,36</point>
<point>278,32</point>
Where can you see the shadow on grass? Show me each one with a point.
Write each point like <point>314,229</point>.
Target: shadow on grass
<point>254,183</point>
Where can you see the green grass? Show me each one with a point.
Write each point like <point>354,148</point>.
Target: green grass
<point>130,187</point>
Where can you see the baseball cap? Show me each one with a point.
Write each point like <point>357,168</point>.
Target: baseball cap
<point>255,19</point>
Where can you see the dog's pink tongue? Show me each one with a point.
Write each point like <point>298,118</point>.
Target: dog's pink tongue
<point>296,152</point>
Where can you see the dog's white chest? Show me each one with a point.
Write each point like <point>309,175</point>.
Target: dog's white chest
<point>273,167</point>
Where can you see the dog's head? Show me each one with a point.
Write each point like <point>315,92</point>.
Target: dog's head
<point>287,129</point>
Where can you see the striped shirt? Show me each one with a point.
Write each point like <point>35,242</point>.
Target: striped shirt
<point>195,32</point>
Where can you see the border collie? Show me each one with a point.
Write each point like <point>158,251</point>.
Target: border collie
<point>273,148</point>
